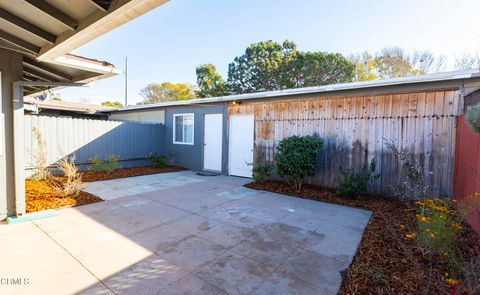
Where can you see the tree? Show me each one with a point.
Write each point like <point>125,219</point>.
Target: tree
<point>264,66</point>
<point>114,104</point>
<point>320,68</point>
<point>365,67</point>
<point>210,83</point>
<point>269,66</point>
<point>395,62</point>
<point>156,92</point>
<point>468,62</point>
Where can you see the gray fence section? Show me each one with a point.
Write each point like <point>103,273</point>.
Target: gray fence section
<point>86,138</point>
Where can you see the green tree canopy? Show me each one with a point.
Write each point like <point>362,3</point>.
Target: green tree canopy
<point>320,68</point>
<point>115,104</point>
<point>210,83</point>
<point>269,66</point>
<point>264,66</point>
<point>167,91</point>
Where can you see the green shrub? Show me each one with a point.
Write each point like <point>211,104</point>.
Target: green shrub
<point>296,158</point>
<point>158,161</point>
<point>107,166</point>
<point>261,171</point>
<point>473,118</point>
<point>354,185</point>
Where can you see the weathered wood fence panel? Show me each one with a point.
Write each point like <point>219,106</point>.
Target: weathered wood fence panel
<point>86,138</point>
<point>355,129</point>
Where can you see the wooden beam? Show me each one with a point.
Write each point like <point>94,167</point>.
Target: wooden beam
<point>59,15</point>
<point>101,4</point>
<point>39,75</point>
<point>38,32</point>
<point>22,44</point>
<point>31,63</point>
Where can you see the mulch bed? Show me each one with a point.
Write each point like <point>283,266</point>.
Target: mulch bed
<point>128,172</point>
<point>39,195</point>
<point>386,261</point>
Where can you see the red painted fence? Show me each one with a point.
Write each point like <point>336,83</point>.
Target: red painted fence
<point>467,167</point>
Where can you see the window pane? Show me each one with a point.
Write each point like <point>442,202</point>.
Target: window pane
<point>188,133</point>
<point>179,129</point>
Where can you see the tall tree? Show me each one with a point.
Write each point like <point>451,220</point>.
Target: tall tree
<point>264,66</point>
<point>269,65</point>
<point>320,68</point>
<point>167,91</point>
<point>114,104</point>
<point>210,83</point>
<point>365,67</point>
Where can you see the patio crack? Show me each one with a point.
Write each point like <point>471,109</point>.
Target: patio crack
<point>71,255</point>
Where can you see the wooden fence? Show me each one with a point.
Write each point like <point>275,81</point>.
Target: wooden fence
<point>354,128</point>
<point>86,138</point>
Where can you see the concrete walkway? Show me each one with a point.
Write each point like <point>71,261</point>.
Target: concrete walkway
<point>179,233</point>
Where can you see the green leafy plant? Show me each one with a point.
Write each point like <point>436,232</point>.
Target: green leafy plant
<point>473,118</point>
<point>354,185</point>
<point>158,161</point>
<point>40,165</point>
<point>296,158</point>
<point>261,171</point>
<point>107,166</point>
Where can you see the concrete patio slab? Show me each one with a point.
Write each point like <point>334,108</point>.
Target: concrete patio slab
<point>180,233</point>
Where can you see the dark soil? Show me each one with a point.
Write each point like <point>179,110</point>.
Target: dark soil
<point>386,262</point>
<point>128,172</point>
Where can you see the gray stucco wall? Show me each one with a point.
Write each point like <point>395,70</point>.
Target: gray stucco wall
<point>11,70</point>
<point>191,156</point>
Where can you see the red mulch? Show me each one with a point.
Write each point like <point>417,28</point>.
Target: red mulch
<point>128,172</point>
<point>382,264</point>
<point>40,196</point>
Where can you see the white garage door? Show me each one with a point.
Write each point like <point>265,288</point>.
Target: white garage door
<point>241,145</point>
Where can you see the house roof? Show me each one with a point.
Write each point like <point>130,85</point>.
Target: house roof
<point>46,31</point>
<point>33,104</point>
<point>470,77</point>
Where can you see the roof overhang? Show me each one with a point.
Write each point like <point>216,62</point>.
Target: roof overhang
<point>46,31</point>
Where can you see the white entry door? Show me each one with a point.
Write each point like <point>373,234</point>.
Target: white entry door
<point>241,145</point>
<point>212,142</point>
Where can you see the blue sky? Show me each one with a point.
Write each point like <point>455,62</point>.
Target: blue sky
<point>167,43</point>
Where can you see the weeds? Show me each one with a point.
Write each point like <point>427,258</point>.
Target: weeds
<point>261,171</point>
<point>40,164</point>
<point>107,166</point>
<point>71,184</point>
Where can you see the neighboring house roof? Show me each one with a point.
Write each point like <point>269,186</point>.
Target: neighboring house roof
<point>470,78</point>
<point>46,31</point>
<point>32,104</point>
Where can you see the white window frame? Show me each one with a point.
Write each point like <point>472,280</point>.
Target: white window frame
<point>175,126</point>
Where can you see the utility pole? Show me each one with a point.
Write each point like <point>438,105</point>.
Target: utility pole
<point>126,80</point>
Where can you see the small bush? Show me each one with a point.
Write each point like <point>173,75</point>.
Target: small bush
<point>40,165</point>
<point>297,157</point>
<point>73,179</point>
<point>158,161</point>
<point>473,118</point>
<point>261,171</point>
<point>104,166</point>
<point>354,185</point>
